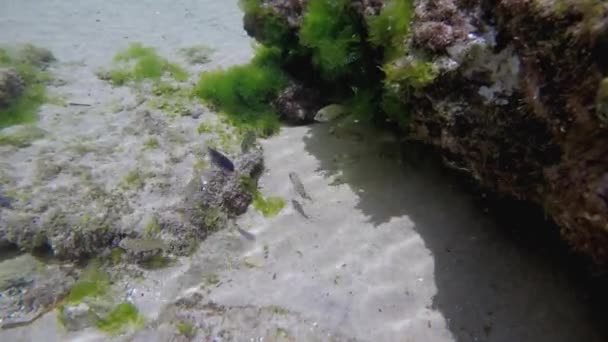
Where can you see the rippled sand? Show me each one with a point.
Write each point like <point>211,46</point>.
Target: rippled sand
<point>392,251</point>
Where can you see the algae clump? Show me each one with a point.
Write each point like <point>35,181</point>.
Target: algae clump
<point>134,180</point>
<point>268,206</point>
<point>22,136</point>
<point>92,284</point>
<point>123,317</point>
<point>27,62</point>
<point>143,63</point>
<point>186,329</point>
<point>243,92</point>
<point>328,29</point>
<point>152,143</point>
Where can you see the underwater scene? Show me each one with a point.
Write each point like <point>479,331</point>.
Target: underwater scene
<point>304,170</point>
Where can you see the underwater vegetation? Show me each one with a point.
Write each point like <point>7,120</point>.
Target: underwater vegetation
<point>123,317</point>
<point>389,29</point>
<point>22,102</point>
<point>186,329</point>
<point>93,283</point>
<point>268,206</point>
<point>272,29</point>
<point>329,30</point>
<point>138,63</point>
<point>243,92</point>
<point>135,179</point>
<point>22,137</point>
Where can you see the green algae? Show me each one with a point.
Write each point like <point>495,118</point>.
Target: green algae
<point>328,29</point>
<point>152,228</point>
<point>121,319</point>
<point>186,329</point>
<point>243,92</point>
<point>200,165</point>
<point>151,143</point>
<point>93,283</point>
<point>138,63</point>
<point>27,61</point>
<point>116,256</point>
<point>21,137</point>
<point>268,206</point>
<point>389,29</point>
<point>135,179</point>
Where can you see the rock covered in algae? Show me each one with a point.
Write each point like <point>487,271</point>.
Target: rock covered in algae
<point>519,110</point>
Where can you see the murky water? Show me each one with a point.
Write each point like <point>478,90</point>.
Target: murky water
<point>391,251</point>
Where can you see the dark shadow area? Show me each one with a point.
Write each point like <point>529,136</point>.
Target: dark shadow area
<point>502,272</point>
<point>9,251</point>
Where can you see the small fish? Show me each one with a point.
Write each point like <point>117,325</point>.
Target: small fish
<point>330,113</point>
<point>247,235</point>
<point>298,207</point>
<point>5,202</point>
<point>298,186</point>
<point>248,141</point>
<point>220,160</point>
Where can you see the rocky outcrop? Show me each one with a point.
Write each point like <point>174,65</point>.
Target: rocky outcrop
<point>513,93</point>
<point>65,232</point>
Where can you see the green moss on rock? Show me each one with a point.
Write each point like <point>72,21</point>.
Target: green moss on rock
<point>123,317</point>
<point>243,92</point>
<point>138,63</point>
<point>186,329</point>
<point>93,283</point>
<point>22,136</point>
<point>328,29</point>
<point>27,63</point>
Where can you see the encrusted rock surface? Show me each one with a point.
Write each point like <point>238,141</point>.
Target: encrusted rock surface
<point>297,105</point>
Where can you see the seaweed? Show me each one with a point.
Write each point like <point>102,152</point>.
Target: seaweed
<point>28,62</point>
<point>138,63</point>
<point>92,284</point>
<point>243,92</point>
<point>328,28</point>
<point>124,316</point>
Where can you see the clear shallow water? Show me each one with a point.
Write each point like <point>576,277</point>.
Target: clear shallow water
<point>392,252</point>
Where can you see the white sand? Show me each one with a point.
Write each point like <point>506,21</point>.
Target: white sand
<point>391,252</point>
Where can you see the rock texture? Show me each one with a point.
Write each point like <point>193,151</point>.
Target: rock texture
<point>517,99</point>
<point>297,104</point>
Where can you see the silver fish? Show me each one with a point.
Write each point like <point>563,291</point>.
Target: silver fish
<point>248,141</point>
<point>298,186</point>
<point>298,207</point>
<point>220,160</point>
<point>247,235</point>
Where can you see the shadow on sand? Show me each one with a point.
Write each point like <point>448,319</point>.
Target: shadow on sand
<point>501,271</point>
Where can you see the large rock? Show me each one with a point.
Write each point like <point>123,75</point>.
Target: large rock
<point>11,86</point>
<point>513,93</point>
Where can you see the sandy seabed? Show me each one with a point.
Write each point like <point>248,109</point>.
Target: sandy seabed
<point>391,252</point>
